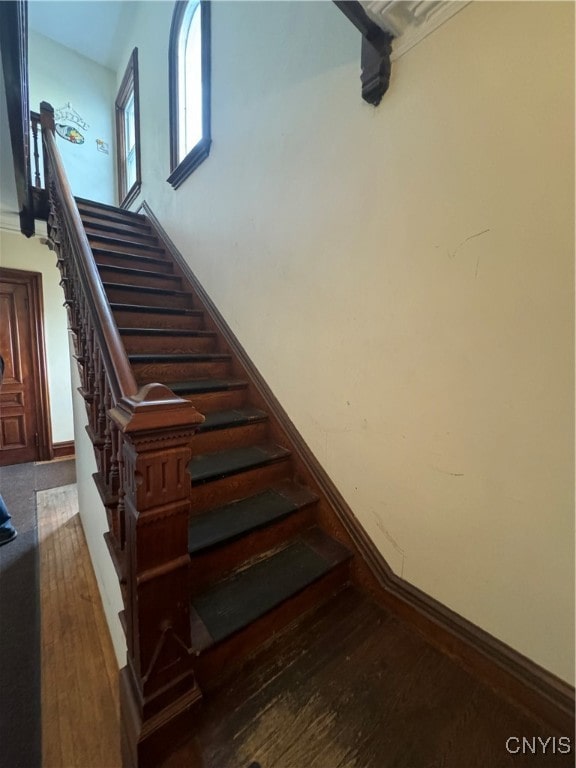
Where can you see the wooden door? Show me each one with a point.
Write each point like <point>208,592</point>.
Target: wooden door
<point>24,413</point>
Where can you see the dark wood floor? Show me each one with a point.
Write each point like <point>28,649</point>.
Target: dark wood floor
<point>351,686</point>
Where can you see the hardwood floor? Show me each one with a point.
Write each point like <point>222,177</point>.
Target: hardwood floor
<point>80,719</point>
<point>348,686</point>
<point>351,686</point>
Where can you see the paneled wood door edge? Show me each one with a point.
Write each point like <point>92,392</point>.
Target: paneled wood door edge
<point>38,355</point>
<point>499,666</point>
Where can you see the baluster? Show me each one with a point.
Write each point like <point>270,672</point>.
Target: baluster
<point>35,121</point>
<point>121,487</point>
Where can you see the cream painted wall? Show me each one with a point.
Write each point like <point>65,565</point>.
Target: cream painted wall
<point>403,279</point>
<point>94,522</point>
<point>59,75</point>
<point>17,252</point>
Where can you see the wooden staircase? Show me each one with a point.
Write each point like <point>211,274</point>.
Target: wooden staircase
<point>260,555</point>
<point>223,527</point>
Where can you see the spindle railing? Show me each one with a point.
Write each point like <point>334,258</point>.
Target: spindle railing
<point>141,438</point>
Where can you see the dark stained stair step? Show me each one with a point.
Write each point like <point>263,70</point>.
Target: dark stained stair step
<point>146,296</point>
<point>231,428</point>
<point>105,256</point>
<point>231,521</point>
<point>252,592</point>
<point>123,245</point>
<point>202,386</point>
<point>166,368</point>
<point>166,332</point>
<point>177,341</point>
<point>159,357</point>
<point>182,311</point>
<point>133,275</point>
<point>117,227</point>
<point>211,395</point>
<point>232,418</point>
<point>208,467</point>
<point>137,316</point>
<point>108,212</point>
<point>128,238</point>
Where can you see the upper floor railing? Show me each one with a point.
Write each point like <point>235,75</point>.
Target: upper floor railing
<point>14,52</point>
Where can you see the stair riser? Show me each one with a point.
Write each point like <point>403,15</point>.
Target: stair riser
<point>128,278</point>
<point>143,319</point>
<point>93,223</point>
<point>219,492</point>
<point>124,247</point>
<point>233,651</point>
<point>133,262</point>
<point>142,238</point>
<point>142,344</point>
<point>218,401</point>
<point>235,437</point>
<point>167,372</point>
<point>212,566</point>
<point>145,298</point>
<point>112,214</point>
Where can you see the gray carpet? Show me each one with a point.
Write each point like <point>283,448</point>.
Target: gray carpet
<point>20,723</point>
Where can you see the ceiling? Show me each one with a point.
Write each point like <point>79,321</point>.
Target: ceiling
<point>93,28</point>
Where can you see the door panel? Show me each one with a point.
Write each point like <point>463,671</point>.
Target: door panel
<point>19,441</point>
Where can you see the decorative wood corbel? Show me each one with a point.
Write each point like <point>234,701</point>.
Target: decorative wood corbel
<point>376,51</point>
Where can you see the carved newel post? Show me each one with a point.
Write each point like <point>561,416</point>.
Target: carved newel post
<point>157,687</point>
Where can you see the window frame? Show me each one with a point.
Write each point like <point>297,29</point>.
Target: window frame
<point>128,88</point>
<point>180,169</point>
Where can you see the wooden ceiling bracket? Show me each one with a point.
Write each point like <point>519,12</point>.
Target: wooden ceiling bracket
<point>375,63</point>
<point>376,51</point>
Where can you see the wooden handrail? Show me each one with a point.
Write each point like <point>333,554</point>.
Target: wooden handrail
<point>142,444</point>
<point>120,374</point>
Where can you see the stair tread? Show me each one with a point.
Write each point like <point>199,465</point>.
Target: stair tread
<point>231,521</point>
<point>95,219</point>
<point>145,288</point>
<point>213,466</point>
<point>121,307</point>
<point>147,273</point>
<point>123,255</point>
<point>126,238</point>
<point>166,332</point>
<point>253,591</point>
<point>178,357</point>
<point>101,241</point>
<point>232,418</point>
<point>201,386</point>
<point>89,205</point>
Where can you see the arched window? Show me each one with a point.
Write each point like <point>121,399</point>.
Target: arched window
<point>189,71</point>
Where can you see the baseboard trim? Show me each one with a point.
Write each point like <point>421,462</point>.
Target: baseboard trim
<point>514,676</point>
<point>64,449</point>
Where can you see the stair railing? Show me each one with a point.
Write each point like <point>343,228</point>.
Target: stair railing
<point>141,438</point>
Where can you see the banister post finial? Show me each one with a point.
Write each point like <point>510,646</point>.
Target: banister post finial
<point>47,116</point>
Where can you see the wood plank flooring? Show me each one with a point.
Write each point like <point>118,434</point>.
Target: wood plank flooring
<point>80,720</point>
<point>348,686</point>
<point>351,686</point>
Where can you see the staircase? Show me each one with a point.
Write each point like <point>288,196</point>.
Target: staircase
<point>223,528</point>
<point>260,554</point>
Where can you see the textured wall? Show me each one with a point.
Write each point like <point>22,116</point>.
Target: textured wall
<point>403,278</point>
